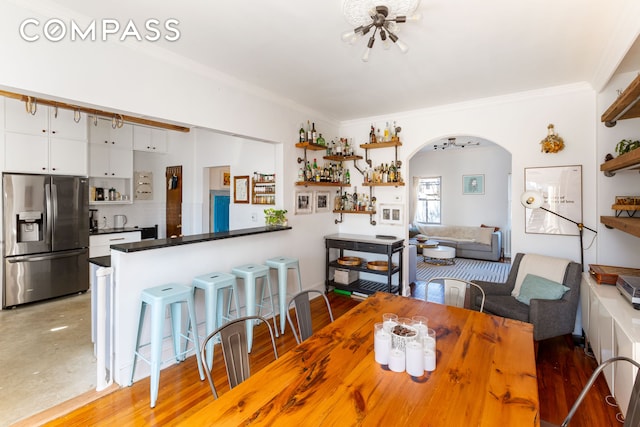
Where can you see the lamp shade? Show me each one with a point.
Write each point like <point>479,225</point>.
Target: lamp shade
<point>531,199</point>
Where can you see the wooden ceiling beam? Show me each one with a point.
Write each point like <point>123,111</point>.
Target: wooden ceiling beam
<point>95,112</point>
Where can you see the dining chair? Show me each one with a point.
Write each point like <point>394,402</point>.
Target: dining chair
<point>233,339</point>
<point>302,307</point>
<point>632,417</point>
<point>455,291</point>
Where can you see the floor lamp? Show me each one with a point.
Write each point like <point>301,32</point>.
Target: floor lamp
<point>534,200</point>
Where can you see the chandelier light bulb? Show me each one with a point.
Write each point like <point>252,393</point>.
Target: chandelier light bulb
<point>402,46</point>
<point>349,37</point>
<point>365,55</point>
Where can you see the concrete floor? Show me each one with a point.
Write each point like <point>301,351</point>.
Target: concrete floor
<point>46,356</point>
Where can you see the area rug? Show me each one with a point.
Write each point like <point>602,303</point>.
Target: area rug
<point>466,269</point>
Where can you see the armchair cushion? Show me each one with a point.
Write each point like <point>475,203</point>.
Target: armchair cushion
<point>540,288</point>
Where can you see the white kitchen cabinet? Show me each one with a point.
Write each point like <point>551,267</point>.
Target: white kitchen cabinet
<point>149,139</point>
<point>109,161</point>
<point>99,244</point>
<point>44,142</point>
<point>105,134</point>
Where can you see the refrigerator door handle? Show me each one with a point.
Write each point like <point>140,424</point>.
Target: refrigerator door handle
<point>49,214</point>
<point>45,257</point>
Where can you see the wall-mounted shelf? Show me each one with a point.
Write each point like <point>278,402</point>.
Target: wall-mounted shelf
<point>626,161</point>
<point>383,184</point>
<point>370,213</point>
<point>342,158</point>
<point>263,190</point>
<point>628,225</point>
<point>626,106</point>
<point>321,184</point>
<point>368,147</point>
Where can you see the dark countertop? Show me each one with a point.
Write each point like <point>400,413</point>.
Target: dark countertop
<point>146,245</point>
<point>101,261</point>
<point>113,230</point>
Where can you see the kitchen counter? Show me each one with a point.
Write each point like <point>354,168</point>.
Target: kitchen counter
<point>113,230</point>
<point>101,261</point>
<point>196,238</point>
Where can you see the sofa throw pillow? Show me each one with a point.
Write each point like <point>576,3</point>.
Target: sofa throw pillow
<point>536,287</point>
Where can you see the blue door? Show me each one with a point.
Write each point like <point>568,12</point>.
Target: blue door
<point>221,213</point>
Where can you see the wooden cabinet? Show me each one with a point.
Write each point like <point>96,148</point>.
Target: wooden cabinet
<point>53,140</point>
<point>375,247</point>
<point>612,330</point>
<point>149,139</point>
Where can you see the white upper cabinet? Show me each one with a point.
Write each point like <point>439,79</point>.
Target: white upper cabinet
<point>106,134</point>
<point>149,139</point>
<point>51,140</point>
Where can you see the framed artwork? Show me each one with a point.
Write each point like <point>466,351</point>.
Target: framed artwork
<point>390,214</point>
<point>241,189</point>
<point>472,184</point>
<point>226,178</point>
<point>304,202</point>
<point>561,189</point>
<point>322,201</point>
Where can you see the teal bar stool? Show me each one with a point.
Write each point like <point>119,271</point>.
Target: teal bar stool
<point>159,297</point>
<point>215,286</point>
<point>282,264</point>
<point>249,273</point>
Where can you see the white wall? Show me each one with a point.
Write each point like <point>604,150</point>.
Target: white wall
<point>516,122</point>
<point>489,208</point>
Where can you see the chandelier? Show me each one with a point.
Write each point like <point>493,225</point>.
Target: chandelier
<point>366,15</point>
<point>451,143</point>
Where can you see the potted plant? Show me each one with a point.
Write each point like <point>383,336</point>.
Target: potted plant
<point>626,145</point>
<point>275,216</point>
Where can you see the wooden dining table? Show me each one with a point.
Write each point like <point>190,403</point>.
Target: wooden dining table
<point>485,376</point>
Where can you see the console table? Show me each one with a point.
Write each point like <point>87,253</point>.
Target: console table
<point>368,244</point>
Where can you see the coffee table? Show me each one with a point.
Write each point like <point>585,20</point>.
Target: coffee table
<point>439,255</point>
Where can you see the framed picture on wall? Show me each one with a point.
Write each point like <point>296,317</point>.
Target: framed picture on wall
<point>390,214</point>
<point>561,189</point>
<point>322,201</point>
<point>226,178</point>
<point>472,184</point>
<point>241,189</point>
<point>304,202</point>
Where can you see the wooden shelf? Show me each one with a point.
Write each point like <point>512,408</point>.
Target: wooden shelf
<point>381,145</point>
<point>626,106</point>
<point>322,184</point>
<point>356,212</point>
<point>628,225</point>
<point>626,161</point>
<point>311,146</point>
<point>383,184</point>
<point>342,158</point>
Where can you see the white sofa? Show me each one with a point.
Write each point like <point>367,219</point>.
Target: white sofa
<point>470,242</point>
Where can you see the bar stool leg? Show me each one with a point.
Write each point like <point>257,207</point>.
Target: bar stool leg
<point>273,308</point>
<point>282,293</point>
<point>143,308</point>
<point>196,340</point>
<point>157,317</point>
<point>250,308</point>
<point>176,328</point>
<point>210,322</point>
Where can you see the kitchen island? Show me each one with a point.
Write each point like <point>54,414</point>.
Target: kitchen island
<point>140,265</point>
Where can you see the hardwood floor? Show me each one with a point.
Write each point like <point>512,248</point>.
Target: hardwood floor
<point>562,371</point>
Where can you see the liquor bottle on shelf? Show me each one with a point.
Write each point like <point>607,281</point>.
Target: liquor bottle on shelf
<point>338,148</point>
<point>308,172</point>
<point>314,134</point>
<point>354,198</point>
<point>300,174</point>
<point>347,177</point>
<point>337,202</point>
<point>320,140</point>
<point>372,135</point>
<point>309,134</point>
<point>392,173</point>
<point>303,134</point>
<point>387,133</point>
<point>378,136</point>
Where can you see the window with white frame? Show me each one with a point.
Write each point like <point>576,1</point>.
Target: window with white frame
<point>428,207</point>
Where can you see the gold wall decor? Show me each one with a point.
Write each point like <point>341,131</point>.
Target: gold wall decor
<point>552,143</point>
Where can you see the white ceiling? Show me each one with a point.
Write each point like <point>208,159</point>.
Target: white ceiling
<point>460,50</point>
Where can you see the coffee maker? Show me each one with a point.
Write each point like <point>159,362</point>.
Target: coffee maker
<point>93,220</point>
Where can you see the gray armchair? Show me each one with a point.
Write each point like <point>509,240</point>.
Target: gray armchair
<point>550,318</point>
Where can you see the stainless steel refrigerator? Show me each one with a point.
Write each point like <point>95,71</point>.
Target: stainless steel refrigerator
<point>46,237</point>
